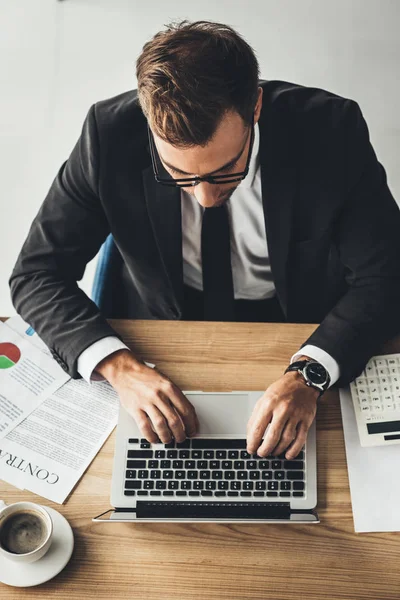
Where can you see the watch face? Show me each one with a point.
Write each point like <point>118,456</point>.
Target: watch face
<point>316,373</point>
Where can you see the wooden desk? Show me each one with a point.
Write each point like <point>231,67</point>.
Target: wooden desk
<point>163,561</point>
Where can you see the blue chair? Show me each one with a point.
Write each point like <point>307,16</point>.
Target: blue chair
<point>107,283</point>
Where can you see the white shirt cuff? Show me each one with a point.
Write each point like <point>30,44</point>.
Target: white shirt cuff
<point>323,357</point>
<point>94,354</point>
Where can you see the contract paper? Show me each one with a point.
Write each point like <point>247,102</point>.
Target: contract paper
<point>27,377</point>
<point>50,450</point>
<point>373,476</point>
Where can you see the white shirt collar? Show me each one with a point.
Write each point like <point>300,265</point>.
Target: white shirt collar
<point>248,181</point>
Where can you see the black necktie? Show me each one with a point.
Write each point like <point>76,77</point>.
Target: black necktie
<point>216,265</point>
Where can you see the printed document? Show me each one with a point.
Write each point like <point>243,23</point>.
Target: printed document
<point>27,377</point>
<point>50,450</point>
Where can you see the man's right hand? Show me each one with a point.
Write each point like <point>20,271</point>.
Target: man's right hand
<point>150,397</point>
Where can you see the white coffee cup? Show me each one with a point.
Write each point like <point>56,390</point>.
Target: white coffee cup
<point>20,507</point>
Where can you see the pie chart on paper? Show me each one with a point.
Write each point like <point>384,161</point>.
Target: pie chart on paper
<point>9,355</point>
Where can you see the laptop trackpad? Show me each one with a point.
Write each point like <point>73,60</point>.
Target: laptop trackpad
<point>223,413</point>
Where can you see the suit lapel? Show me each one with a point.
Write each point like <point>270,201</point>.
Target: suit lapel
<point>278,181</point>
<point>164,206</point>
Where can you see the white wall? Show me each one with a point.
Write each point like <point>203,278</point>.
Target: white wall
<point>57,58</point>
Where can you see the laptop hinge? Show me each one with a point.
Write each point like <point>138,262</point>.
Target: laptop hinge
<point>220,510</point>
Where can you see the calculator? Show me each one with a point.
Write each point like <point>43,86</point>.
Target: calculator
<point>376,399</point>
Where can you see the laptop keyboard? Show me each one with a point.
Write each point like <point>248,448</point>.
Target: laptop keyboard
<point>210,467</point>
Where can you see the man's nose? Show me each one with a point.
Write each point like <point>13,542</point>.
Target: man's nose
<point>206,194</point>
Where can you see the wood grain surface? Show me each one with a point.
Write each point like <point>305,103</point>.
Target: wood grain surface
<point>149,561</point>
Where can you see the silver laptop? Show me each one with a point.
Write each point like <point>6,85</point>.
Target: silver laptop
<point>210,477</point>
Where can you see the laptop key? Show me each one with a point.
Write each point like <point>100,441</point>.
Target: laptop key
<point>284,494</point>
<point>155,474</point>
<point>173,485</point>
<point>130,474</point>
<point>220,454</point>
<point>222,485</point>
<point>190,464</point>
<point>159,453</point>
<point>140,453</point>
<point>279,475</point>
<point>244,454</point>
<point>180,493</point>
<point>208,454</point>
<point>233,493</point>
<point>263,464</point>
<point>294,475</point>
<point>266,474</point>
<point>198,485</point>
<point>220,494</point>
<point>133,485</point>
<point>217,474</point>
<point>177,464</point>
<point>161,484</point>
<point>272,494</point>
<point>206,493</point>
<point>232,454</point>
<point>179,474</point>
<point>153,464</point>
<point>136,464</point>
<point>184,444</point>
<point>242,475</point>
<point>167,493</point>
<point>168,474</point>
<point>238,464</point>
<point>184,453</point>
<point>235,485</point>
<point>143,493</point>
<point>294,465</point>
<point>129,492</point>
<point>223,444</point>
<point>202,464</point>
<point>254,474</point>
<point>258,494</point>
<point>197,454</point>
<point>148,484</point>
<point>229,474</point>
<point>227,464</point>
<point>192,474</point>
<point>143,474</point>
<point>133,441</point>
<point>155,493</point>
<point>165,464</point>
<point>298,485</point>
<point>144,444</point>
<point>261,485</point>
<point>248,485</point>
<point>286,485</point>
<point>170,444</point>
<point>194,493</point>
<point>205,474</point>
<point>172,453</point>
<point>276,464</point>
<point>211,485</point>
<point>251,464</point>
<point>215,464</point>
<point>273,485</point>
<point>298,494</point>
<point>245,493</point>
<point>186,485</point>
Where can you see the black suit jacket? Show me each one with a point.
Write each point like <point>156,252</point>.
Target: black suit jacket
<point>333,227</point>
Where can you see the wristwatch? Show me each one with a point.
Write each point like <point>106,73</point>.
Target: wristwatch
<point>314,373</point>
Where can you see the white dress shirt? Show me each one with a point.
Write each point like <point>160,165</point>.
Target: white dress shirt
<point>251,271</point>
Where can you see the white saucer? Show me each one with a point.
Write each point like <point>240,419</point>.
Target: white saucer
<point>47,567</point>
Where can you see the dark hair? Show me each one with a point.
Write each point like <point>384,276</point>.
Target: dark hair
<point>190,75</point>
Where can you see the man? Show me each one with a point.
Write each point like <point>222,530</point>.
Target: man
<point>285,216</point>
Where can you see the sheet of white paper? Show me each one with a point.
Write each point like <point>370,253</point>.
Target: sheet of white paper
<point>27,377</point>
<point>26,331</point>
<point>50,450</point>
<point>373,476</point>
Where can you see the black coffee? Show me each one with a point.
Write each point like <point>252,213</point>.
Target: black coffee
<point>23,532</point>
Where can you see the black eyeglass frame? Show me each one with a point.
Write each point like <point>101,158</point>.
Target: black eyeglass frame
<point>214,179</point>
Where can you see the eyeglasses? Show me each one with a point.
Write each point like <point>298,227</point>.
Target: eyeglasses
<point>191,181</point>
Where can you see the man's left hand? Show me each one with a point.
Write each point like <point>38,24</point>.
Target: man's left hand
<point>289,405</point>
